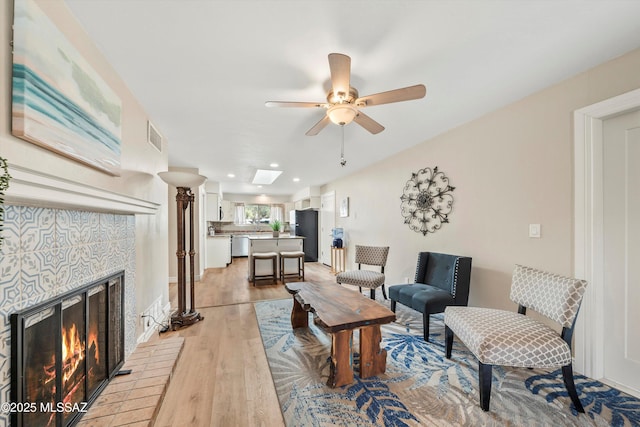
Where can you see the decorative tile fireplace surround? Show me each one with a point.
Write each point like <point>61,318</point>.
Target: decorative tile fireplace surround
<point>48,252</point>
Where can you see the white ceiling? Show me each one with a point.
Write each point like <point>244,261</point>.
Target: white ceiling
<point>203,69</point>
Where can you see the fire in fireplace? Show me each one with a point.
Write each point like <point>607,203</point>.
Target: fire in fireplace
<point>65,351</point>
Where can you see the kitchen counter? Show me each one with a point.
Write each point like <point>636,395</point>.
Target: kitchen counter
<point>257,235</point>
<point>270,237</point>
<point>268,243</point>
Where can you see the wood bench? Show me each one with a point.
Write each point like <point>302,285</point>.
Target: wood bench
<point>339,311</point>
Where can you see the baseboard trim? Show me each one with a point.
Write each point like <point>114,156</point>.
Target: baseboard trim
<point>197,277</point>
<point>159,313</point>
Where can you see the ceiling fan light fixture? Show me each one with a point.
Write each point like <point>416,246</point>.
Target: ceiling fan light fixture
<point>343,102</point>
<point>339,96</point>
<point>342,114</point>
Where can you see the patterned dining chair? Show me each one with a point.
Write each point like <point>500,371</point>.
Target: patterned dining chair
<point>372,256</point>
<point>505,338</point>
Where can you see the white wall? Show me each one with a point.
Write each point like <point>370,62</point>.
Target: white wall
<point>511,168</point>
<point>140,161</point>
<point>256,199</point>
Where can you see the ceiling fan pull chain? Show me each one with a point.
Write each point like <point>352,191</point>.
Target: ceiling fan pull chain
<point>343,162</point>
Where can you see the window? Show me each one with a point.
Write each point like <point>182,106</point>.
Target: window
<point>257,214</point>
<point>262,214</point>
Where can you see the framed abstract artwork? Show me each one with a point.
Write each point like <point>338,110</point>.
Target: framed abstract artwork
<point>59,102</point>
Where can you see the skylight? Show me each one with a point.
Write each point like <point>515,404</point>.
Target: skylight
<point>266,176</point>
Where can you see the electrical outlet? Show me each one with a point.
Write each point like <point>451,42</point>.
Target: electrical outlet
<point>145,320</point>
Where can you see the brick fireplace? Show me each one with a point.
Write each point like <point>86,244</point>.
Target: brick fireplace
<point>51,252</point>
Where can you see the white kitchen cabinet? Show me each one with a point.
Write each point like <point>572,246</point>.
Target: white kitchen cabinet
<point>218,251</point>
<point>310,203</point>
<point>213,207</point>
<point>315,202</point>
<point>228,211</point>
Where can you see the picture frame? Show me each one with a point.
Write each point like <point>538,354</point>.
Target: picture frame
<point>59,101</point>
<point>344,207</point>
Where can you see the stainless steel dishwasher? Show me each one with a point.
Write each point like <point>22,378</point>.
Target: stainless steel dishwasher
<point>239,245</point>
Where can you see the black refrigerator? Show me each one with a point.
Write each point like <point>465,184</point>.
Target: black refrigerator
<point>305,223</point>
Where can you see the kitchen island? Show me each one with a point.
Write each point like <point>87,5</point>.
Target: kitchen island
<point>268,243</point>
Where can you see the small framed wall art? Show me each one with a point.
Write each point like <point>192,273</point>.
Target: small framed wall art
<point>344,207</point>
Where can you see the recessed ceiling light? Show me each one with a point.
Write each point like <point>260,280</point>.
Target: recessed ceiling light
<point>274,165</point>
<point>259,186</point>
<point>265,176</point>
<point>230,175</point>
<point>296,179</point>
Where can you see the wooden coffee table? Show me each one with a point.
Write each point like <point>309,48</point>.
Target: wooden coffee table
<point>339,311</point>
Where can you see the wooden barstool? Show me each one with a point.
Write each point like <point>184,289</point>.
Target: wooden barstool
<point>292,255</point>
<point>273,256</point>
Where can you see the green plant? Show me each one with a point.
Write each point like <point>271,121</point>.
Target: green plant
<point>4,184</point>
<point>275,225</point>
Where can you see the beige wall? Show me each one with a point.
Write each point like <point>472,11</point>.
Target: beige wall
<point>511,168</point>
<point>140,161</point>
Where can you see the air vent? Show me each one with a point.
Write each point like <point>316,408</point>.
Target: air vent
<point>154,137</point>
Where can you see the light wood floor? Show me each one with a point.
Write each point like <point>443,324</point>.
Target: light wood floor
<point>222,377</point>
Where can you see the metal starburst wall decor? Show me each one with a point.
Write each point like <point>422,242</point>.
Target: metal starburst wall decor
<point>427,201</point>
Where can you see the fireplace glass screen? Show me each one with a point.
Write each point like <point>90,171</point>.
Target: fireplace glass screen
<point>64,352</point>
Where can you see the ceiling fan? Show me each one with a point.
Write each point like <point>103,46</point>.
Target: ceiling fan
<point>343,104</point>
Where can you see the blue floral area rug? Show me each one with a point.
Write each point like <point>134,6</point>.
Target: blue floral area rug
<point>420,386</point>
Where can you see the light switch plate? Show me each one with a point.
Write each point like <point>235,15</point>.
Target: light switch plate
<point>534,231</point>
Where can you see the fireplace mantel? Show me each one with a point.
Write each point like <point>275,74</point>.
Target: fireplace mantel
<point>29,187</point>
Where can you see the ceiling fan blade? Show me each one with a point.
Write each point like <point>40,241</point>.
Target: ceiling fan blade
<point>318,126</point>
<point>368,123</point>
<point>396,95</point>
<point>340,66</point>
<point>295,104</point>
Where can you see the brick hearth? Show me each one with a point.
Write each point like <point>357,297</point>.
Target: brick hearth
<point>134,400</point>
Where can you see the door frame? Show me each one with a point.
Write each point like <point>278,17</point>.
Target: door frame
<point>323,235</point>
<point>588,227</point>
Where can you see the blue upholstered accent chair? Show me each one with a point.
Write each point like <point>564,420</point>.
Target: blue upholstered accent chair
<point>441,280</point>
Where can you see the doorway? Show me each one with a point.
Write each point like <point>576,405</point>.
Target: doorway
<point>327,224</point>
<point>604,194</point>
<point>621,250</point>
